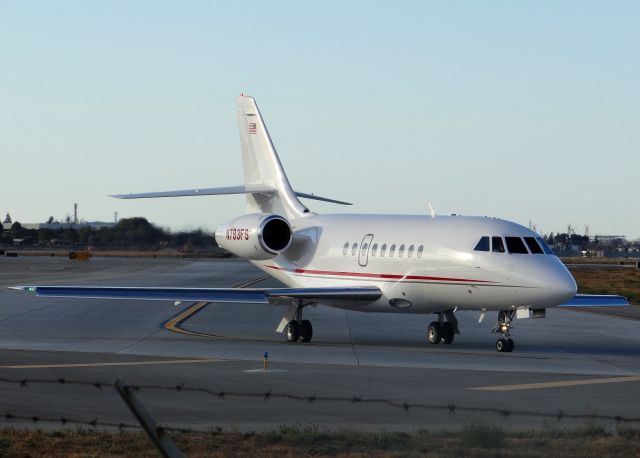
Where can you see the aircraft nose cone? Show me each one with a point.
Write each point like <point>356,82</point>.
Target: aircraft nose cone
<point>552,284</point>
<point>562,285</point>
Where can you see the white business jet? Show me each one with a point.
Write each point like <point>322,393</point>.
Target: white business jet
<point>424,264</point>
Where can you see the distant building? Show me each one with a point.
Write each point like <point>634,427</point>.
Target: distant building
<point>92,224</point>
<point>35,226</point>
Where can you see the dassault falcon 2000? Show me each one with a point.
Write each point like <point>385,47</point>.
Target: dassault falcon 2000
<point>425,264</point>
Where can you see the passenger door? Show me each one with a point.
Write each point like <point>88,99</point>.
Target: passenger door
<point>365,246</point>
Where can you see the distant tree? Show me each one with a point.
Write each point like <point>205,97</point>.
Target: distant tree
<point>69,236</point>
<point>138,233</point>
<point>85,235</point>
<point>50,220</point>
<point>16,230</point>
<point>45,235</point>
<point>5,238</point>
<point>195,239</point>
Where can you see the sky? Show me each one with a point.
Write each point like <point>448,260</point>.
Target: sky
<point>528,111</point>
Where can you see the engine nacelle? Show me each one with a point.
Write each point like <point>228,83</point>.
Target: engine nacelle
<point>257,236</point>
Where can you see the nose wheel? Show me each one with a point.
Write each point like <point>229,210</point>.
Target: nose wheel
<point>504,344</point>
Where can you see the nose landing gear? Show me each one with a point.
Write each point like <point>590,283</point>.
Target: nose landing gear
<point>504,343</point>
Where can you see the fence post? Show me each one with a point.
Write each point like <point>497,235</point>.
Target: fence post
<point>158,436</point>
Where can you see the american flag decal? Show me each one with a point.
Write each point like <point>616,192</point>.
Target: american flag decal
<point>252,127</point>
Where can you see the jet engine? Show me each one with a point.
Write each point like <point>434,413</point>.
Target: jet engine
<point>257,236</point>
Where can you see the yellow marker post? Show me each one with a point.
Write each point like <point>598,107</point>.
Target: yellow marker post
<point>266,361</point>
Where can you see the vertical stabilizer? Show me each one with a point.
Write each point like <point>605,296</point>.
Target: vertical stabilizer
<point>262,165</point>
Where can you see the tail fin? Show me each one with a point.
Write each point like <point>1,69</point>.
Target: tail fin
<point>262,166</point>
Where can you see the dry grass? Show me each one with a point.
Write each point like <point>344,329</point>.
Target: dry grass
<point>625,282</point>
<point>287,441</point>
<point>586,260</point>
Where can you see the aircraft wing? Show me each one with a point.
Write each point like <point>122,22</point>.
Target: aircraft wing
<point>230,295</point>
<point>596,300</point>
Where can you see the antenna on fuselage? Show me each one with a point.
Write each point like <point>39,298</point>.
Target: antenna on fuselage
<point>432,211</point>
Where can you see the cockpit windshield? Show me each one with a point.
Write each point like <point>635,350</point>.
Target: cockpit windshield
<point>483,244</point>
<point>544,246</point>
<point>533,245</point>
<point>515,245</point>
<point>512,245</point>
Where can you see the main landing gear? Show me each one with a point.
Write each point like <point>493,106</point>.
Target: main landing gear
<point>443,331</point>
<point>504,343</point>
<point>298,330</point>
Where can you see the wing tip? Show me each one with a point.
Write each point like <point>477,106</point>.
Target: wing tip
<point>23,288</point>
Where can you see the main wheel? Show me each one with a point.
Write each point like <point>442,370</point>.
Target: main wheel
<point>447,333</point>
<point>510,345</point>
<point>502,345</point>
<point>292,331</point>
<point>434,333</point>
<point>306,331</point>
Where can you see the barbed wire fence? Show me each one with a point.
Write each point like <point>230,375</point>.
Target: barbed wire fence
<point>158,433</point>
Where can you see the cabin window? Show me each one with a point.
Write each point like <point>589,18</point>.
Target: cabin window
<point>515,245</point>
<point>420,250</point>
<point>374,249</point>
<point>533,245</point>
<point>354,249</point>
<point>483,244</point>
<point>544,246</point>
<point>345,248</point>
<point>392,250</point>
<point>401,251</point>
<point>383,250</point>
<point>364,247</point>
<point>497,245</point>
<point>410,252</point>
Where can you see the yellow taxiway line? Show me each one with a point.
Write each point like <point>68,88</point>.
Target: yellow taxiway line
<point>122,363</point>
<point>175,324</point>
<point>561,384</point>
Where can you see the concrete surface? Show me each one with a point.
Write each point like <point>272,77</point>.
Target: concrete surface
<point>590,362</point>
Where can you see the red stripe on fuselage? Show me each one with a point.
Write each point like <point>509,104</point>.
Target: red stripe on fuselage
<point>380,276</point>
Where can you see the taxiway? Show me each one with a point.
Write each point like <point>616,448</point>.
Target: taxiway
<point>569,362</point>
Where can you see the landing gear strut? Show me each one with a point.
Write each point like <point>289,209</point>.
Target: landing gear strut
<point>504,343</point>
<point>443,331</point>
<point>298,330</point>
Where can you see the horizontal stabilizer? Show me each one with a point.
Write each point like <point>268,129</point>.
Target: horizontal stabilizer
<point>227,190</point>
<point>249,189</point>
<point>596,300</point>
<point>323,199</point>
<point>230,295</point>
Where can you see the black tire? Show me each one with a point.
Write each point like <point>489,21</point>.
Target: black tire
<point>434,333</point>
<point>510,345</point>
<point>292,331</point>
<point>306,331</point>
<point>447,333</point>
<point>502,345</point>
